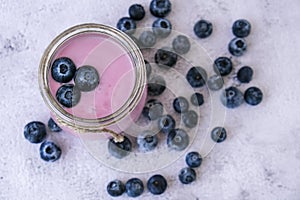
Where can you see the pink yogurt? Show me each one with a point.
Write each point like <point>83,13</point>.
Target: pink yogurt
<point>116,71</point>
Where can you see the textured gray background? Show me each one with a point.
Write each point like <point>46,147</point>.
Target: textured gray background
<point>260,159</point>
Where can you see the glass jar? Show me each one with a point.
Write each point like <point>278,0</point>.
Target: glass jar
<point>120,96</point>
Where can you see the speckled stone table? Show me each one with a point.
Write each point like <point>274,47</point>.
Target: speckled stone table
<point>259,160</point>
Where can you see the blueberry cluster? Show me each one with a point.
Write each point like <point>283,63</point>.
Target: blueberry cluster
<point>177,138</point>
<point>86,78</point>
<point>165,58</point>
<point>232,97</point>
<point>188,174</point>
<point>241,28</point>
<point>35,132</point>
<point>161,27</point>
<point>134,187</point>
<point>193,159</point>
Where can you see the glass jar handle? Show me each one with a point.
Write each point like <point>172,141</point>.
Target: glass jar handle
<point>117,137</point>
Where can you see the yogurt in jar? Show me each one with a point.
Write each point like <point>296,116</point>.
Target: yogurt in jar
<point>120,96</point>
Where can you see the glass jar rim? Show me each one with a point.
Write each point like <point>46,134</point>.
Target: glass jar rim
<point>92,125</point>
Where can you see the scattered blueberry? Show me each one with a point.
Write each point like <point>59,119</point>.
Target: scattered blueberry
<point>237,46</point>
<point>126,25</point>
<point>134,187</point>
<point>193,159</point>
<point>223,66</point>
<point>197,99</point>
<point>162,27</point>
<point>35,132</point>
<point>157,184</point>
<point>232,97</point>
<point>190,119</point>
<point>196,77</point>
<point>86,78</point>
<point>218,134</point>
<point>119,149</point>
<point>147,39</point>
<point>148,68</point>
<point>180,104</point>
<point>253,96</point>
<point>160,8</point>
<point>153,109</point>
<point>187,175</point>
<point>115,188</point>
<point>203,28</point>
<point>215,82</point>
<point>241,28</point>
<point>68,95</point>
<point>181,44</point>
<point>147,141</point>
<point>156,86</point>
<point>63,70</point>
<point>244,75</point>
<point>165,58</point>
<point>166,123</point>
<point>49,151</point>
<point>53,126</point>
<point>177,139</point>
<point>136,12</point>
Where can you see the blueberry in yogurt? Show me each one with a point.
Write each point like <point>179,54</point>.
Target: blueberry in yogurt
<point>63,70</point>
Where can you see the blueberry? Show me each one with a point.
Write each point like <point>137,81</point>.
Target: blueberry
<point>162,27</point>
<point>156,86</point>
<point>153,109</point>
<point>223,66</point>
<point>147,39</point>
<point>136,12</point>
<point>165,58</point>
<point>232,97</point>
<point>237,46</point>
<point>147,141</point>
<point>193,159</point>
<point>180,104</point>
<point>68,95</point>
<point>241,28</point>
<point>115,188</point>
<point>35,132</point>
<point>49,151</point>
<point>148,68</point>
<point>157,184</point>
<point>215,82</point>
<point>218,134</point>
<point>181,44</point>
<point>203,28</point>
<point>160,8</point>
<point>190,119</point>
<point>119,149</point>
<point>245,74</point>
<point>196,76</point>
<point>253,96</point>
<point>197,99</point>
<point>86,78</point>
<point>134,187</point>
<point>126,25</point>
<point>187,175</point>
<point>166,123</point>
<point>63,70</point>
<point>53,126</point>
<point>177,139</point>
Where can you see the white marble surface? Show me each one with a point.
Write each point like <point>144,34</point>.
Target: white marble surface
<point>259,160</point>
